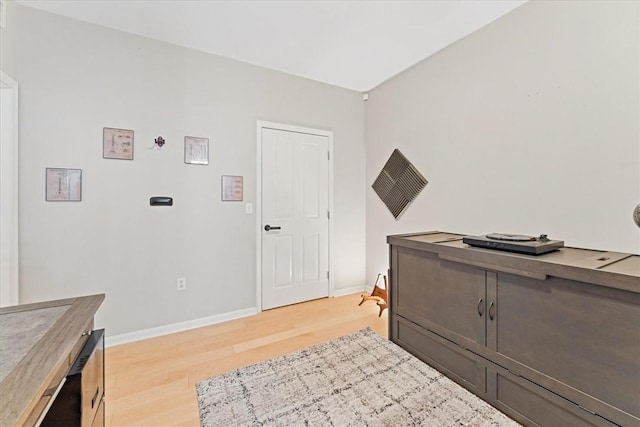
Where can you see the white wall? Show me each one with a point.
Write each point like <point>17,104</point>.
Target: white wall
<point>8,40</point>
<point>9,254</point>
<point>77,78</point>
<point>529,125</point>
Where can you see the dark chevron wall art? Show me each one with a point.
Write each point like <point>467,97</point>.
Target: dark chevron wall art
<point>398,183</point>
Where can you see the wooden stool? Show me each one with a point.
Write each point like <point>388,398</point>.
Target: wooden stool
<point>378,294</point>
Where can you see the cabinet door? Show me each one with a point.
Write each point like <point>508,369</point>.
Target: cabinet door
<point>99,420</point>
<point>533,405</point>
<point>572,333</point>
<point>462,366</point>
<point>445,297</point>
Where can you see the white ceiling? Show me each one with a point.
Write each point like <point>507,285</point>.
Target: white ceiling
<point>351,44</point>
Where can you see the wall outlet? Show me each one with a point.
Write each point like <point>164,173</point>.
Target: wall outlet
<point>181,283</point>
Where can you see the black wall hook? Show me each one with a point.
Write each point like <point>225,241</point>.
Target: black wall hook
<point>159,141</point>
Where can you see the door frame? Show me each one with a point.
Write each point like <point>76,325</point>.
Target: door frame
<point>9,268</point>
<point>258,210</point>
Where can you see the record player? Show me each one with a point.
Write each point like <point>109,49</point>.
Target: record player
<point>515,243</point>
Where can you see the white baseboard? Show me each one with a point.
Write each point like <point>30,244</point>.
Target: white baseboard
<point>349,291</point>
<point>178,327</point>
<point>129,337</point>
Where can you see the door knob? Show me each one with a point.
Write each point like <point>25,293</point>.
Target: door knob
<point>268,227</point>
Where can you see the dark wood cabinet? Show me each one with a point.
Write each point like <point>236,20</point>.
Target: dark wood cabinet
<point>440,294</point>
<point>552,340</point>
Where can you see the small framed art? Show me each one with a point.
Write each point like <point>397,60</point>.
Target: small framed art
<point>63,185</point>
<point>196,150</point>
<point>231,188</point>
<point>117,144</point>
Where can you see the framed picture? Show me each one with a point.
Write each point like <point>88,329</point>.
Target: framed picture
<point>231,188</point>
<point>63,185</point>
<point>117,144</point>
<point>196,150</point>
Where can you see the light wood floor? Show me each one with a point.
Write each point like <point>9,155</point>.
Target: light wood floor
<point>152,382</point>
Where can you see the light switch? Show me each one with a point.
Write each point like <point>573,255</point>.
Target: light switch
<point>248,208</point>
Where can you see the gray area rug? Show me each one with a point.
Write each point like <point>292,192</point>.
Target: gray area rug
<point>360,379</point>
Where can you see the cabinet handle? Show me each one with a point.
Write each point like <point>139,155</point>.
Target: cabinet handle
<point>95,397</point>
<point>480,307</point>
<point>492,311</point>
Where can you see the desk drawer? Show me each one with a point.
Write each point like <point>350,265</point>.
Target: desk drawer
<point>80,398</point>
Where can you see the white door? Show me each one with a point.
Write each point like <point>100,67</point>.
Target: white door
<point>295,224</point>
